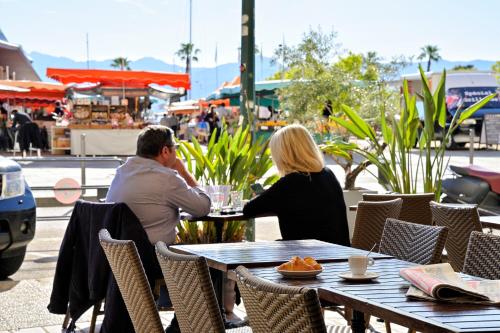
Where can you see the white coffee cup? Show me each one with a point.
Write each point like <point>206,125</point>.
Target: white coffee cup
<point>359,264</point>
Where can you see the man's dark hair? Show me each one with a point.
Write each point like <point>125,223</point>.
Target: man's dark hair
<point>223,104</point>
<point>152,139</point>
<point>13,111</point>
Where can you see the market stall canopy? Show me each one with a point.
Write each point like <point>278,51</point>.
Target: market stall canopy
<point>13,57</point>
<point>117,78</point>
<point>164,93</point>
<point>36,91</point>
<point>260,87</point>
<point>184,107</point>
<point>205,104</point>
<point>4,88</point>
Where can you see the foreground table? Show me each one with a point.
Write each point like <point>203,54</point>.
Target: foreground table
<point>227,256</point>
<point>385,298</point>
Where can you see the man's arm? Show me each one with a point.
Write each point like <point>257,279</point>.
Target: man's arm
<point>186,194</point>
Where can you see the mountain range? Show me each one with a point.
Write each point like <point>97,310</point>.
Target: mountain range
<point>203,82</point>
<point>206,79</point>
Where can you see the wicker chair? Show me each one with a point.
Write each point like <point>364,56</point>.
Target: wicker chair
<point>421,244</point>
<point>370,220</point>
<point>483,256</point>
<point>415,206</point>
<point>461,220</point>
<point>191,291</point>
<point>127,268</point>
<point>275,308</point>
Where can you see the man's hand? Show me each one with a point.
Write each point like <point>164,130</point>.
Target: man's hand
<point>184,173</point>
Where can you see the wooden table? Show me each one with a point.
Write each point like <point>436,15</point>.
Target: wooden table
<point>227,256</point>
<point>492,222</point>
<point>385,298</point>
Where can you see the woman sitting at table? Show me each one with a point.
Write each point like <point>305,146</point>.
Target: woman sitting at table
<point>307,199</point>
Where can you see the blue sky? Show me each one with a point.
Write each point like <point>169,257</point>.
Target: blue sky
<point>463,30</point>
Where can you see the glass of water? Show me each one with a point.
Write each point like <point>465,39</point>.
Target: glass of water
<point>236,200</point>
<point>217,201</point>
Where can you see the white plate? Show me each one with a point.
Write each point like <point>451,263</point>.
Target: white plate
<point>367,277</point>
<point>299,274</point>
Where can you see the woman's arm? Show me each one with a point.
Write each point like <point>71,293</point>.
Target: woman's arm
<point>267,203</point>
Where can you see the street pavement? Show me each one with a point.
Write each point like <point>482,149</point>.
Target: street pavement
<point>25,295</point>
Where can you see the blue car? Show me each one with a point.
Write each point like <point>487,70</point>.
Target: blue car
<point>17,217</point>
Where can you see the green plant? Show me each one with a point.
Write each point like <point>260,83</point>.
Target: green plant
<point>231,160</point>
<point>399,137</point>
<point>342,153</point>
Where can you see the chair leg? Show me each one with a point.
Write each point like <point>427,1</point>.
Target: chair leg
<point>95,313</point>
<point>66,319</point>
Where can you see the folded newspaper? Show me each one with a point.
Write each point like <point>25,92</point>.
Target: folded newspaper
<point>440,282</point>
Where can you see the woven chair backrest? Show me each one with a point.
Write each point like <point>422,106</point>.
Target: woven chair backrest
<point>276,308</point>
<point>129,273</point>
<point>420,244</point>
<point>191,291</point>
<point>370,221</point>
<point>415,207</point>
<point>461,220</point>
<point>483,256</point>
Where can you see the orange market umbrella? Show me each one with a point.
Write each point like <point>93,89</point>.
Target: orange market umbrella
<point>116,78</point>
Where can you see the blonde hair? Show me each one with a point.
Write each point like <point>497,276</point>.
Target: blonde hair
<point>293,150</point>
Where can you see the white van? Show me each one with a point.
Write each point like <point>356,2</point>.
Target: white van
<point>463,88</point>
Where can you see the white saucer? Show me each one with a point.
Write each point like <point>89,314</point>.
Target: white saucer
<point>367,277</point>
<point>299,274</point>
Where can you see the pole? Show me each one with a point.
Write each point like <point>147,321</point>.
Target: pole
<point>82,162</point>
<point>216,69</point>
<point>283,59</point>
<point>88,57</point>
<point>247,67</point>
<point>190,41</point>
<point>471,145</point>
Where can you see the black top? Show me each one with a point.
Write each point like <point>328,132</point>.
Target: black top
<point>308,206</point>
<point>21,119</point>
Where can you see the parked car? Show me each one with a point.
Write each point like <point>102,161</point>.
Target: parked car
<point>17,217</point>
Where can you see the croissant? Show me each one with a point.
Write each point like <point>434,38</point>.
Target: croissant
<point>299,264</point>
<point>310,261</point>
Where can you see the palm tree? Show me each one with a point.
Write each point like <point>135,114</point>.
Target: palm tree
<point>121,63</point>
<point>431,52</point>
<point>189,53</point>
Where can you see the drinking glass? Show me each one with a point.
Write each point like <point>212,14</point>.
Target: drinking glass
<point>217,201</point>
<point>236,198</point>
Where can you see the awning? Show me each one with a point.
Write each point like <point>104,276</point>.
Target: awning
<point>205,104</point>
<point>117,78</point>
<point>5,88</point>
<point>41,91</point>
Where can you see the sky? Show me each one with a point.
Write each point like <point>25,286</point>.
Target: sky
<point>463,30</point>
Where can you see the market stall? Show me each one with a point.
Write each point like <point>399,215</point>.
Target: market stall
<point>108,106</point>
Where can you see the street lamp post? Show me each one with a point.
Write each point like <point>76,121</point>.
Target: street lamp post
<point>247,67</point>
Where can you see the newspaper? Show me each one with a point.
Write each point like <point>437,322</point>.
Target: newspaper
<point>440,282</point>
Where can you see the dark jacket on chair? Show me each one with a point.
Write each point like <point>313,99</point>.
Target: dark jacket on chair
<point>83,276</point>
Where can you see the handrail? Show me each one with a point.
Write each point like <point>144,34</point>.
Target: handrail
<point>68,159</point>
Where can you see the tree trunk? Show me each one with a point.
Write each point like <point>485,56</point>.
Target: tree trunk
<point>429,65</point>
<point>188,64</point>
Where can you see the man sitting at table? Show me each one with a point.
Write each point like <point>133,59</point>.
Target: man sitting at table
<point>155,184</point>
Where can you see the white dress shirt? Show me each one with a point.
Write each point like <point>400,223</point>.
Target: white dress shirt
<point>155,193</point>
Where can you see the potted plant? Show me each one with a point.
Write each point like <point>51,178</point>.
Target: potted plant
<point>392,150</point>
<point>233,160</point>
